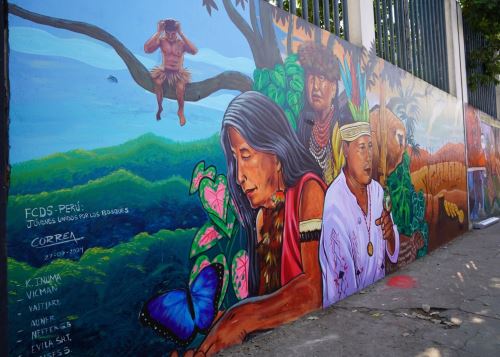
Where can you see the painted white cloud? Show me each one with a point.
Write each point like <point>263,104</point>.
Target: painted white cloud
<point>39,42</point>
<point>209,56</point>
<point>35,41</point>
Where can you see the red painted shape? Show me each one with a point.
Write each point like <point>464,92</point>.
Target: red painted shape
<point>402,282</point>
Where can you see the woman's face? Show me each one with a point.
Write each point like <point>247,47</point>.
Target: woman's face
<point>258,173</point>
<point>320,92</point>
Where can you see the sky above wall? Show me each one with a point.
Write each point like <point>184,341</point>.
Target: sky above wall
<point>61,98</point>
<point>60,94</point>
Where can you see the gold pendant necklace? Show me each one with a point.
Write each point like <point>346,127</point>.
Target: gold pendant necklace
<point>369,248</point>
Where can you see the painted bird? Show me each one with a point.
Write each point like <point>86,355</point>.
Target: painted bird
<point>112,79</point>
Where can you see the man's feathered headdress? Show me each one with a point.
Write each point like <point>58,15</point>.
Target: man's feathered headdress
<point>355,89</point>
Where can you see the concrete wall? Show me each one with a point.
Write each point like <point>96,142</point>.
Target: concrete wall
<point>132,235</point>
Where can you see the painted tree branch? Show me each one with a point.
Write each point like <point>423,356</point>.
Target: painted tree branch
<point>245,29</point>
<point>269,44</point>
<point>289,35</point>
<point>253,20</point>
<point>194,91</point>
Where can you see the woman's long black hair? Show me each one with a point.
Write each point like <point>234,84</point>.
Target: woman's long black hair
<point>264,126</point>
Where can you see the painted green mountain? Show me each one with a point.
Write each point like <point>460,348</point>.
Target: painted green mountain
<point>102,294</point>
<point>149,156</point>
<point>112,209</point>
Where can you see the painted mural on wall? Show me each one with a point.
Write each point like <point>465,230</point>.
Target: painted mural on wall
<point>483,156</point>
<point>178,189</point>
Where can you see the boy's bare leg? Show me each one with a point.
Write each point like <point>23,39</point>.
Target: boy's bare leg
<point>158,88</point>
<point>180,88</point>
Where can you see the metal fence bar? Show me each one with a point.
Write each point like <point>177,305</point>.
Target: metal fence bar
<point>345,16</point>
<point>435,68</point>
<point>404,44</point>
<point>385,30</point>
<point>444,47</point>
<point>326,14</point>
<point>336,17</point>
<point>316,12</point>
<point>407,44</point>
<point>331,17</point>
<point>391,31</point>
<point>484,96</point>
<point>414,37</point>
<point>435,47</point>
<point>441,45</point>
<point>378,21</point>
<point>293,7</point>
<point>411,34</point>
<point>305,10</point>
<point>428,44</point>
<point>398,34</point>
<point>418,38</point>
<point>423,43</point>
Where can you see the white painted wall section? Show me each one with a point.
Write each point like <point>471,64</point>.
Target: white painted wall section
<point>361,22</point>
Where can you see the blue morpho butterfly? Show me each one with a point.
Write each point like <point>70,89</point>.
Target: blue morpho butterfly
<point>180,314</point>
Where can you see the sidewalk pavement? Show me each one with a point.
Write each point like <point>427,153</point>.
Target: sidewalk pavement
<point>445,304</point>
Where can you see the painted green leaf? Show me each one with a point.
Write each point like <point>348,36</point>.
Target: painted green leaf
<point>291,59</point>
<point>272,91</point>
<point>205,238</point>
<point>297,84</point>
<point>221,258</point>
<point>298,78</point>
<point>281,98</point>
<point>293,98</point>
<point>226,226</point>
<point>239,276</point>
<point>261,79</point>
<point>294,69</point>
<point>199,172</point>
<point>276,94</point>
<point>256,74</point>
<point>278,76</point>
<point>230,222</point>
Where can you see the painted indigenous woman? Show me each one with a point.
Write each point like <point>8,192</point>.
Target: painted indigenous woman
<point>321,108</point>
<point>277,187</point>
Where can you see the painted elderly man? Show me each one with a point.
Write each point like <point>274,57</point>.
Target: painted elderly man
<point>358,230</point>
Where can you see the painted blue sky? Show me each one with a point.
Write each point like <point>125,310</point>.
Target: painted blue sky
<point>61,98</point>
